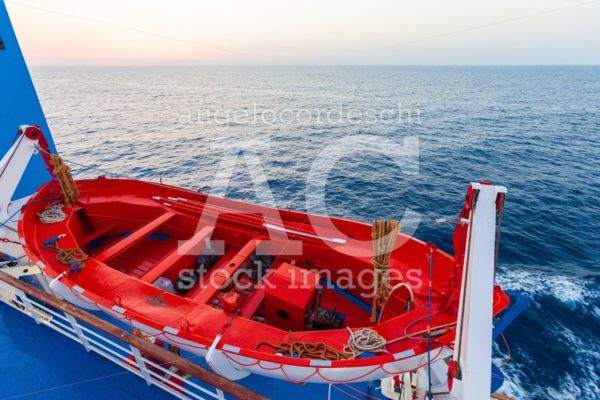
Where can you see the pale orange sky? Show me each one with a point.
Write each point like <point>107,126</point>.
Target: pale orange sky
<point>308,32</point>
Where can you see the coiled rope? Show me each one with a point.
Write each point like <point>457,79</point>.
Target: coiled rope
<point>362,341</point>
<point>315,351</point>
<point>365,341</point>
<point>73,257</point>
<point>52,214</point>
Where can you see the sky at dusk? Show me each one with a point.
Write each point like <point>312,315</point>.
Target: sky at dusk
<point>403,32</point>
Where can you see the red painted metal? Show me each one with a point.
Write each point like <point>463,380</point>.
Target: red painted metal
<point>231,302</point>
<point>35,133</point>
<point>289,295</point>
<point>225,273</point>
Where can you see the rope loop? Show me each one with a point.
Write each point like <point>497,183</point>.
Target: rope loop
<point>315,351</point>
<point>365,341</point>
<point>52,214</point>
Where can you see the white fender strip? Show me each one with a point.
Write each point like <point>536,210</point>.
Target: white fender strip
<point>404,354</point>
<point>78,289</point>
<point>231,349</point>
<point>118,309</point>
<point>170,330</point>
<point>320,363</point>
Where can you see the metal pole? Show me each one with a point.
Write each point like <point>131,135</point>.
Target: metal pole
<point>73,321</point>
<point>28,306</point>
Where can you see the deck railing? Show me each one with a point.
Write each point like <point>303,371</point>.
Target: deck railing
<point>167,371</point>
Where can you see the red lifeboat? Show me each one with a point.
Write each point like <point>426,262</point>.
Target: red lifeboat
<point>191,269</point>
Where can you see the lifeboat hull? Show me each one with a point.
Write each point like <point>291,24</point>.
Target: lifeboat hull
<point>138,237</point>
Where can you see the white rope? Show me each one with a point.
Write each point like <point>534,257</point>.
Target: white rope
<point>398,286</point>
<point>365,341</point>
<point>52,214</point>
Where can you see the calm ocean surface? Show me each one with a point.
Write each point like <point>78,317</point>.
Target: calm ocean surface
<point>535,130</point>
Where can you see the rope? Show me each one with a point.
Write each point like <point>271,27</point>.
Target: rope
<point>362,341</point>
<point>73,257</point>
<point>69,256</point>
<point>407,302</point>
<point>317,351</point>
<point>65,180</point>
<point>365,341</point>
<point>509,355</point>
<point>52,214</point>
<point>384,235</point>
<point>367,395</point>
<point>85,167</point>
<point>346,393</point>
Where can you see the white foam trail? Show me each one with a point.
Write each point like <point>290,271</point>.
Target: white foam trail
<point>574,292</point>
<point>570,290</point>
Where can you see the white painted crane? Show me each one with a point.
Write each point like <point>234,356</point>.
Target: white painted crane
<point>472,355</point>
<point>12,168</point>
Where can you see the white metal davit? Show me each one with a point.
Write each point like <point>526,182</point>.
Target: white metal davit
<point>13,164</point>
<point>465,373</point>
<point>12,168</point>
<point>473,344</point>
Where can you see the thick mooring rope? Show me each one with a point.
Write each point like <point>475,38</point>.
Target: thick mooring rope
<point>65,180</point>
<point>315,351</point>
<point>384,235</point>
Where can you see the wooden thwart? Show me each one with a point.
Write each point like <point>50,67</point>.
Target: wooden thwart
<point>188,248</point>
<point>134,237</point>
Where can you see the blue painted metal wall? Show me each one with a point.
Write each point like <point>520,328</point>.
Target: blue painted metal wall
<point>19,104</point>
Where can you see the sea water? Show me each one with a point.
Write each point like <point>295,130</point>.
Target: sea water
<point>406,142</point>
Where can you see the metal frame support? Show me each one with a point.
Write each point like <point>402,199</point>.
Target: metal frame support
<point>73,321</point>
<point>141,365</point>
<point>28,306</point>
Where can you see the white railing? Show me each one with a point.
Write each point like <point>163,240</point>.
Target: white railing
<point>120,353</point>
